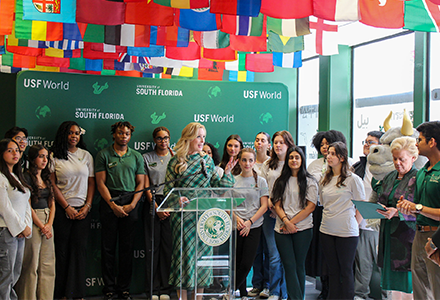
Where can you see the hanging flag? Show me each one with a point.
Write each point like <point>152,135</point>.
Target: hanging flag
<point>89,53</point>
<point>72,32</point>
<point>35,30</point>
<point>183,3</point>
<point>152,51</point>
<point>53,61</point>
<point>336,10</point>
<point>279,43</point>
<point>241,76</point>
<point>112,64</point>
<point>148,13</point>
<point>437,2</point>
<point>101,12</point>
<point>287,60</point>
<point>224,54</point>
<point>174,36</point>
<point>259,62</point>
<point>237,65</point>
<point>211,39</point>
<point>18,61</point>
<point>52,52</point>
<point>422,15</point>
<point>7,8</point>
<point>127,35</point>
<point>66,45</point>
<point>108,48</point>
<point>147,68</point>
<point>92,33</point>
<point>325,37</point>
<point>183,72</point>
<point>124,57</point>
<point>214,73</point>
<point>249,8</point>
<point>289,27</point>
<point>382,14</point>
<point>243,25</point>
<point>287,9</point>
<point>250,43</point>
<point>85,64</point>
<point>184,53</point>
<point>63,11</point>
<point>199,19</point>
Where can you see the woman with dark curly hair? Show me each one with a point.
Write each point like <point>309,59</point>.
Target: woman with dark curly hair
<point>213,152</point>
<point>74,186</point>
<point>37,278</point>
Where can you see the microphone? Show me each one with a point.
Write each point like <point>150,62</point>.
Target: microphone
<point>204,171</point>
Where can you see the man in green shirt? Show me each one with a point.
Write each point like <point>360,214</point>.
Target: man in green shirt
<point>425,274</point>
<point>118,170</point>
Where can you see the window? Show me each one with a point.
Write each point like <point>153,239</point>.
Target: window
<point>434,75</point>
<point>383,79</point>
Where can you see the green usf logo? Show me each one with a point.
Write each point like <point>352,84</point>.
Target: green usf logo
<point>155,119</point>
<point>266,118</point>
<point>100,144</point>
<point>97,89</point>
<point>43,112</point>
<point>214,92</point>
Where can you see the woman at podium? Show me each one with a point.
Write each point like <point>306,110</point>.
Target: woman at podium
<point>187,161</point>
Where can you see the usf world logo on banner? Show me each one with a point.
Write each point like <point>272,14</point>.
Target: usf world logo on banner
<point>45,100</point>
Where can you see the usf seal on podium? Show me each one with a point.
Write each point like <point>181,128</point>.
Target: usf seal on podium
<point>214,227</point>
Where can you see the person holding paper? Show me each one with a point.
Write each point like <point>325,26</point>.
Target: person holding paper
<point>397,231</point>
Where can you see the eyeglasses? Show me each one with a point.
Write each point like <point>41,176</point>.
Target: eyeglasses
<point>369,143</point>
<point>19,139</point>
<point>161,139</point>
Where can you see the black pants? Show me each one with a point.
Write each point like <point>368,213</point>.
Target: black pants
<point>246,252</point>
<point>339,253</point>
<point>70,238</point>
<point>163,244</point>
<point>111,228</point>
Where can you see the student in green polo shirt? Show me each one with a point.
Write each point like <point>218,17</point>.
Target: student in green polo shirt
<point>118,170</point>
<point>425,274</point>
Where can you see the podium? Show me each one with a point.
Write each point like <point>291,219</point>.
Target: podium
<point>203,225</point>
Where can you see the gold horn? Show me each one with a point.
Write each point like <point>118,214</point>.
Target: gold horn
<point>386,123</point>
<point>407,127</point>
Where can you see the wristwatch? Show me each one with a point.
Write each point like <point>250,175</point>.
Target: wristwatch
<point>419,208</point>
<point>433,246</point>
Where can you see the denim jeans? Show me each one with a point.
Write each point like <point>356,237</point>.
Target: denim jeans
<point>277,283</point>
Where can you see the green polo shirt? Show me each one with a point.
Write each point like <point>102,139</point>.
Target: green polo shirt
<point>121,170</point>
<point>427,192</point>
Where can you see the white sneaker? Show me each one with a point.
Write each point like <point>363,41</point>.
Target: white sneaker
<point>155,297</point>
<point>273,297</point>
<point>164,297</point>
<point>265,293</point>
<point>254,292</point>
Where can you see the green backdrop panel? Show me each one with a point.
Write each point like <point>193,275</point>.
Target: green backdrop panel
<point>45,100</point>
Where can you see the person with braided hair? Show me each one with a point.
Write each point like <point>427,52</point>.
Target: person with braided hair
<point>249,216</point>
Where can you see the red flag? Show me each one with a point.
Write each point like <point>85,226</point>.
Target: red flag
<point>91,54</point>
<point>27,51</point>
<point>148,13</point>
<point>100,12</point>
<point>7,8</point>
<point>259,62</point>
<point>322,29</point>
<point>53,61</point>
<point>214,73</point>
<point>128,73</point>
<point>287,9</point>
<point>184,53</point>
<point>223,54</point>
<point>236,7</point>
<point>250,43</point>
<point>23,61</point>
<point>382,15</point>
<point>336,10</point>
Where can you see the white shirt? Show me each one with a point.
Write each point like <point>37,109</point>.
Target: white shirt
<point>15,209</point>
<point>338,217</point>
<point>271,175</point>
<point>291,203</point>
<point>73,175</point>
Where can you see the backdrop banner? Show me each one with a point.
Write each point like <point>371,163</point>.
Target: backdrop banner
<point>45,100</point>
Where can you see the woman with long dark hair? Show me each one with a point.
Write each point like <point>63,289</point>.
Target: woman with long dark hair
<point>15,217</point>
<point>155,163</point>
<point>232,147</point>
<point>340,220</point>
<point>37,278</point>
<point>271,170</point>
<point>295,194</point>
<point>73,181</point>
<point>249,216</point>
<point>213,152</point>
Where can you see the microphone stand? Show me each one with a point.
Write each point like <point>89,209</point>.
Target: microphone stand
<point>153,189</point>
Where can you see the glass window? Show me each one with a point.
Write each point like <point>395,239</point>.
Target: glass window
<point>434,75</point>
<point>308,100</point>
<point>383,79</point>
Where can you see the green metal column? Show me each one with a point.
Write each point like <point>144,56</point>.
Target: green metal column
<point>335,99</point>
<point>421,84</point>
